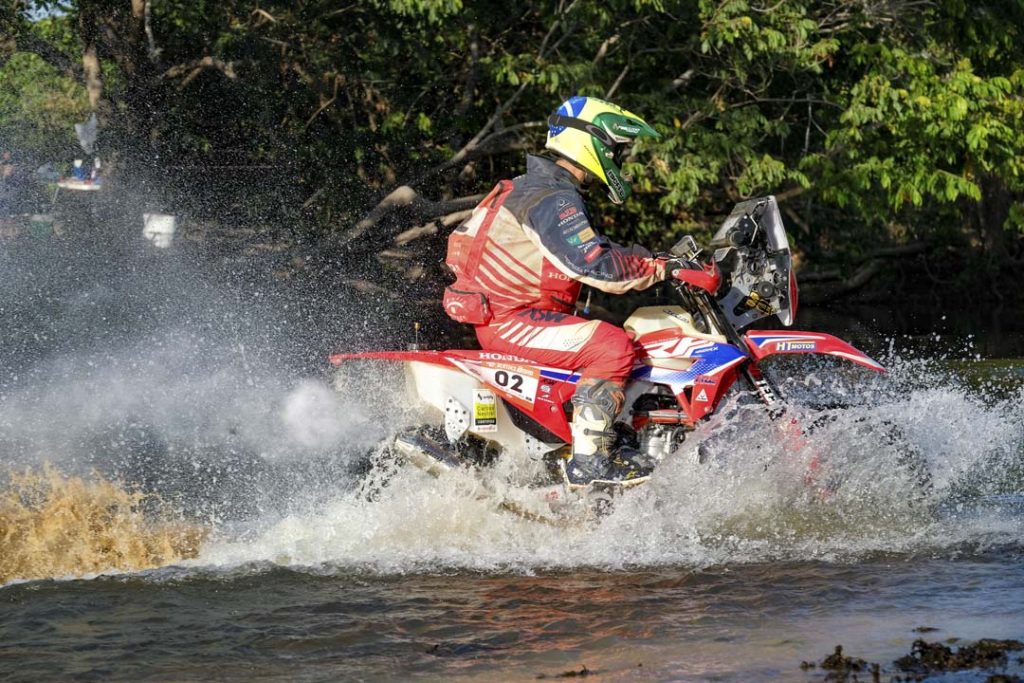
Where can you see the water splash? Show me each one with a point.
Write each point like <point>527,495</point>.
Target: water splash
<point>909,466</point>
<point>914,464</point>
<point>53,525</point>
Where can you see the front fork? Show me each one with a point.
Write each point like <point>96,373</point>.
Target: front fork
<point>793,433</point>
<point>765,390</point>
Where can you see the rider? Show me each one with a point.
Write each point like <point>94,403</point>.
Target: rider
<point>523,256</point>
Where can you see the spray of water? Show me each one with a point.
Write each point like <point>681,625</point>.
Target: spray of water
<point>163,379</point>
<point>910,467</point>
<point>186,388</point>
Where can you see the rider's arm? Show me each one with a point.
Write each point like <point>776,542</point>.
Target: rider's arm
<point>560,226</point>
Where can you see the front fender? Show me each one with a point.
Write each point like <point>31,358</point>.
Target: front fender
<point>764,343</point>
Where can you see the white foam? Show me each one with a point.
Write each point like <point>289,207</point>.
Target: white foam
<point>750,503</point>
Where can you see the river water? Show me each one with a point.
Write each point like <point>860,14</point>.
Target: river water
<point>161,378</point>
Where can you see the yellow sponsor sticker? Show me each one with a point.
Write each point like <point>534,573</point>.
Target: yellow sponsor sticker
<point>485,411</point>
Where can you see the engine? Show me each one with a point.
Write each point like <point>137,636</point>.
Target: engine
<point>660,426</point>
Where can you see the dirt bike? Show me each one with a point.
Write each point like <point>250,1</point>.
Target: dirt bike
<point>481,405</point>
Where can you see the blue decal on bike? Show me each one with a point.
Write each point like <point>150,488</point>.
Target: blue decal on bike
<point>709,361</point>
<point>572,377</point>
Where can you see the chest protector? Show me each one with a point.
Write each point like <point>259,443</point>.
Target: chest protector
<point>465,300</point>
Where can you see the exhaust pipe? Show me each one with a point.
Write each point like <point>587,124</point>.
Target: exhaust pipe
<point>426,454</point>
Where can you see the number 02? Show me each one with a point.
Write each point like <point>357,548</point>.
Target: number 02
<point>513,382</point>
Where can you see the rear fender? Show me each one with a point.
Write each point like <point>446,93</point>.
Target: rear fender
<point>536,391</point>
<point>764,343</point>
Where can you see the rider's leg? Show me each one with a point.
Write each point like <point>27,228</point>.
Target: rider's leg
<point>604,354</point>
<point>594,457</point>
<point>599,349</point>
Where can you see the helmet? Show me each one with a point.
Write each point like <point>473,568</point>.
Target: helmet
<point>594,134</point>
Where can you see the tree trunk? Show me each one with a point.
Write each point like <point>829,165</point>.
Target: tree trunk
<point>87,30</point>
<point>993,211</point>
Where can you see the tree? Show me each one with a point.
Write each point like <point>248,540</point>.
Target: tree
<point>887,122</point>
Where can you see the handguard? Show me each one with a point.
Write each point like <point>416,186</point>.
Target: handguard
<point>708,277</point>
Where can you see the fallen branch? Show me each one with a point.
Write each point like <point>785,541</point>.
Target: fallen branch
<point>406,198</point>
<point>312,199</point>
<point>785,195</point>
<point>411,234</point>
<point>680,81</point>
<point>902,250</point>
<point>338,80</point>
<point>432,227</point>
<point>147,24</point>
<point>197,66</point>
<point>26,42</point>
<point>396,254</point>
<point>367,287</point>
<point>263,14</point>
<point>821,276</point>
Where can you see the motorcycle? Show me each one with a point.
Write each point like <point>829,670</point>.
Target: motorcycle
<point>482,406</point>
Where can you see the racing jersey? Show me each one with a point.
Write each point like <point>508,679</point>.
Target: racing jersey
<point>541,247</point>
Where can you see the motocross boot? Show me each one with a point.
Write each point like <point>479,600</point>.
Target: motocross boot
<point>594,456</point>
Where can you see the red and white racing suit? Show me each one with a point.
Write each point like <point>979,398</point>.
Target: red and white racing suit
<point>540,249</point>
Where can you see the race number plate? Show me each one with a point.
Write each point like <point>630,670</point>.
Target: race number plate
<point>517,381</point>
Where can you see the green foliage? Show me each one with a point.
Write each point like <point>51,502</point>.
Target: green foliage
<point>872,114</point>
<point>37,107</point>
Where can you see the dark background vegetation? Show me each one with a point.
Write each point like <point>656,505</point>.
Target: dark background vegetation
<point>339,141</point>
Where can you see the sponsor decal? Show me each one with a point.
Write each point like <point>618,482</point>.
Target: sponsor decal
<point>796,346</point>
<point>705,380</point>
<point>571,211</point>
<point>613,182</point>
<point>587,234</point>
<point>592,255</point>
<point>486,355</point>
<point>560,375</point>
<point>574,224</point>
<point>562,201</point>
<point>702,397</point>
<point>575,240</point>
<point>485,411</point>
<point>517,382</point>
<point>685,347</point>
<point>542,316</point>
<point>765,389</point>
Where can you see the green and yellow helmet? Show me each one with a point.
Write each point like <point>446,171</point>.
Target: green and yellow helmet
<point>594,135</point>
